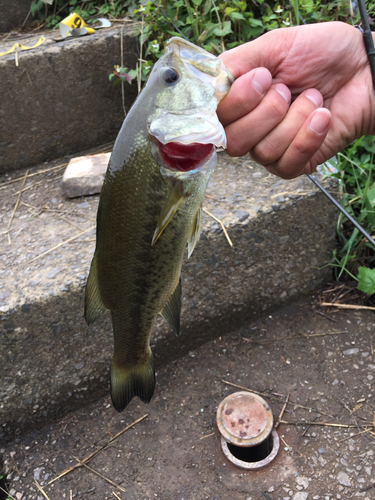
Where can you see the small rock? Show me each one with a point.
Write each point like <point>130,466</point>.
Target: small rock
<point>4,309</point>
<point>218,212</point>
<point>242,215</point>
<point>301,495</point>
<point>84,175</point>
<point>344,479</point>
<point>302,481</point>
<point>84,204</point>
<point>19,495</point>
<point>322,451</point>
<point>25,308</point>
<point>80,365</point>
<point>349,352</point>
<point>37,473</point>
<point>52,274</point>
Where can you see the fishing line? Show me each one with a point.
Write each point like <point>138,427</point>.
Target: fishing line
<point>337,205</point>
<point>170,20</point>
<point>371,57</point>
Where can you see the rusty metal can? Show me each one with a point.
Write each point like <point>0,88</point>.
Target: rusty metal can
<point>245,420</point>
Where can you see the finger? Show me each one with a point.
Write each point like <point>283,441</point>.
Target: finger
<point>268,50</point>
<point>245,94</point>
<point>245,133</point>
<point>274,145</point>
<point>296,159</point>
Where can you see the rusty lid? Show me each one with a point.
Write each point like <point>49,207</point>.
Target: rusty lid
<point>244,419</point>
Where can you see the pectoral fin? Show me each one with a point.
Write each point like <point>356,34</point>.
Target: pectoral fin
<point>94,306</point>
<point>172,204</point>
<point>171,312</point>
<point>195,231</point>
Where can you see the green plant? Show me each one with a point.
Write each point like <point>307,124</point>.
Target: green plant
<point>355,256</point>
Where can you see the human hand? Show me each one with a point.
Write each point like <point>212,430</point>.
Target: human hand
<point>311,66</point>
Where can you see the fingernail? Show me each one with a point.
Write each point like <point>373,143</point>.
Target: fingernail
<point>262,80</point>
<point>320,121</point>
<point>314,96</point>
<point>283,91</point>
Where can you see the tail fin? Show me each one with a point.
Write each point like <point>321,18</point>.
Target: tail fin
<point>129,382</point>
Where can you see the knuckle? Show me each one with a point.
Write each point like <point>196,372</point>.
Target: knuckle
<point>265,153</point>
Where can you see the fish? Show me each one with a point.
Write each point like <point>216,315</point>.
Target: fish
<point>150,208</point>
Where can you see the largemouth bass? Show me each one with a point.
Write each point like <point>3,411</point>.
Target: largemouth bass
<point>150,208</point>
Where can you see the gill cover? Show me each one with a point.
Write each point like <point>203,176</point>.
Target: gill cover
<point>194,82</point>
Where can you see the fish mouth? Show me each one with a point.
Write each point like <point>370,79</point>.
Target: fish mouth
<point>184,157</point>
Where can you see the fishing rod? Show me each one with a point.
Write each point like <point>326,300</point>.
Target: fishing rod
<point>371,57</point>
<point>367,37</point>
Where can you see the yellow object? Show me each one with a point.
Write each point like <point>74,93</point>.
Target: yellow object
<point>74,25</point>
<point>23,47</point>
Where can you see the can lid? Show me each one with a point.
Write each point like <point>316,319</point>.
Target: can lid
<point>244,419</point>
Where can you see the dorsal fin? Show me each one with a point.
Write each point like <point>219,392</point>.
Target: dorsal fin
<point>173,202</point>
<point>171,312</point>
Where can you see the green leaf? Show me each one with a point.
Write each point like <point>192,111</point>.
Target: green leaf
<point>366,281</point>
<point>235,16</point>
<point>256,22</point>
<point>224,30</point>
<point>197,2</point>
<point>229,10</point>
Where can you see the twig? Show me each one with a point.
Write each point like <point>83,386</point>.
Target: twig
<point>41,490</point>
<point>94,453</point>
<point>358,434</point>
<point>308,427</point>
<point>60,244</point>
<point>68,221</point>
<point>101,475</point>
<point>16,206</point>
<point>116,495</point>
<point>274,399</point>
<point>221,224</point>
<point>325,315</point>
<point>3,184</point>
<point>325,424</point>
<point>372,347</point>
<point>28,187</point>
<point>286,444</point>
<point>282,411</point>
<point>207,435</point>
<point>347,306</point>
<point>94,445</point>
<point>302,336</point>
<point>7,494</point>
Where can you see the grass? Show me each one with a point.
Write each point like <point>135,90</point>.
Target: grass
<point>354,257</point>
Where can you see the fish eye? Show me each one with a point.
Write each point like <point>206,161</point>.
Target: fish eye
<point>170,75</point>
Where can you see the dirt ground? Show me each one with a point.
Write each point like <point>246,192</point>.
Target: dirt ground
<point>325,364</point>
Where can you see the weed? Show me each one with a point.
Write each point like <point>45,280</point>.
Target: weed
<point>353,167</point>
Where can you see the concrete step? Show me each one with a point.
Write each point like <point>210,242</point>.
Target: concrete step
<point>57,99</point>
<point>283,235</point>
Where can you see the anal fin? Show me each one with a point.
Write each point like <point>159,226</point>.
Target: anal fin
<point>171,312</point>
<point>94,306</point>
<point>175,199</point>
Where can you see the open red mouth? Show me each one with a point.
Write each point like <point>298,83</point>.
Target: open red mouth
<point>184,157</point>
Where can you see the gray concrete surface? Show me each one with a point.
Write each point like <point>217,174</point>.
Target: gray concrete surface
<point>12,14</point>
<point>326,366</point>
<point>283,235</point>
<point>58,100</point>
